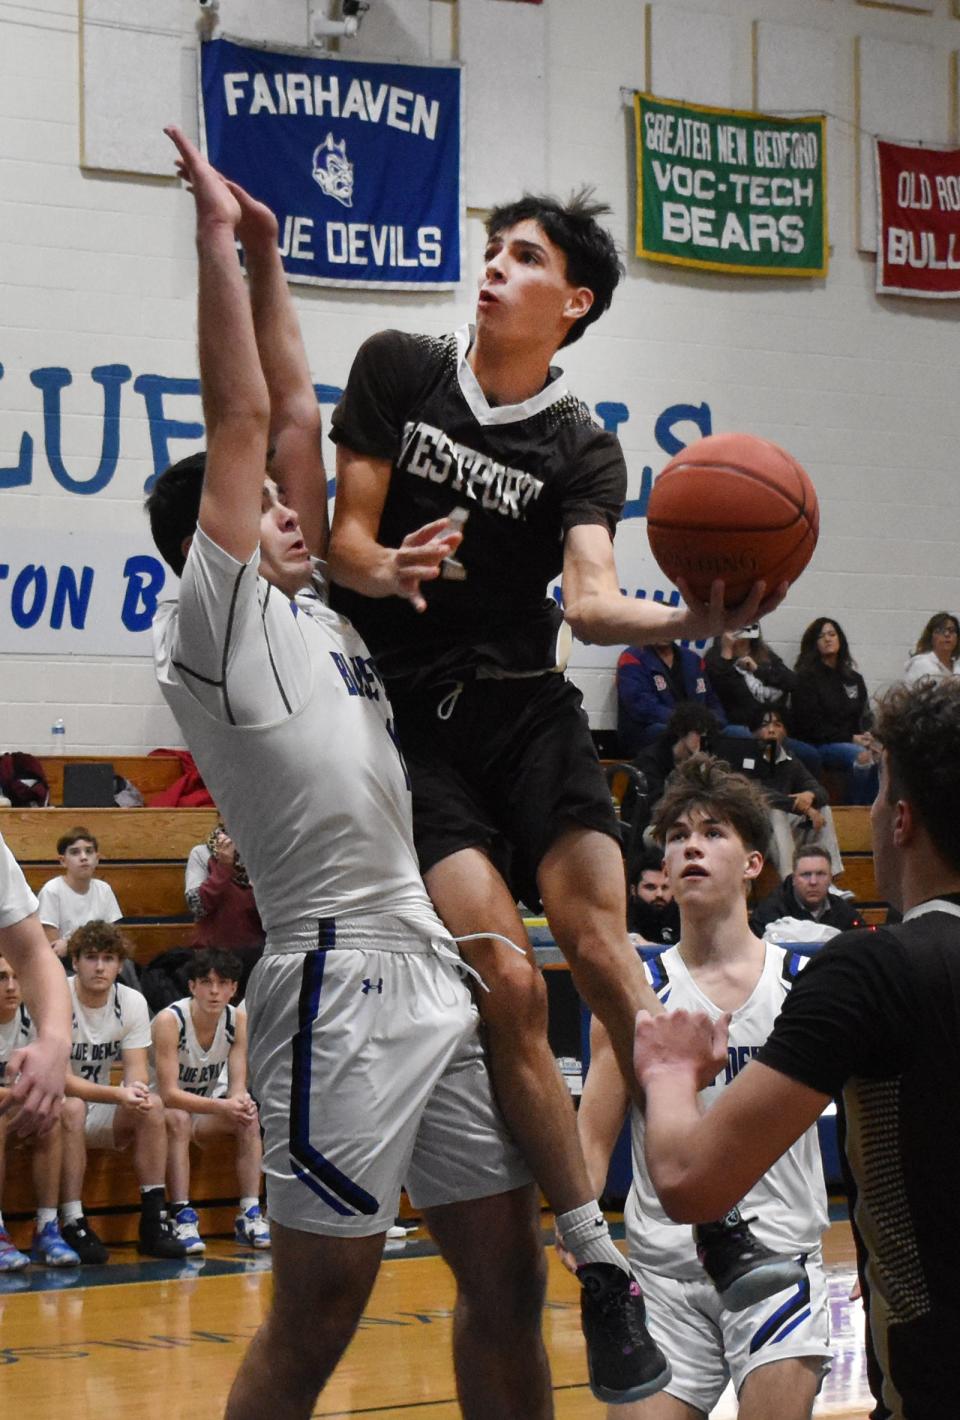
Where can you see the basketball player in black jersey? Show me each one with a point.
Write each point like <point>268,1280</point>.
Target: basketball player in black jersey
<point>875,1021</point>
<point>479,423</point>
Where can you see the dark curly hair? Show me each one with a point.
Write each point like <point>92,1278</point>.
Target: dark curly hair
<point>591,252</point>
<point>919,728</point>
<point>226,964</point>
<point>99,936</point>
<point>709,784</point>
<point>809,655</point>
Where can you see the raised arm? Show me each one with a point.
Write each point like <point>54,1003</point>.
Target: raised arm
<point>235,400</point>
<point>598,611</point>
<point>296,458</point>
<point>357,559</point>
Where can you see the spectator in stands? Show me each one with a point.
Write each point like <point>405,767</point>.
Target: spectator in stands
<point>49,1248</point>
<point>652,914</point>
<point>799,813</point>
<point>690,729</point>
<point>750,678</point>
<point>806,896</point>
<point>221,899</point>
<point>79,896</point>
<point>651,682</point>
<point>194,1040</point>
<point>831,710</point>
<point>936,653</point>
<point>111,1026</point>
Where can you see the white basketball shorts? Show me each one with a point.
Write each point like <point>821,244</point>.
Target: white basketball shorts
<point>368,1069</point>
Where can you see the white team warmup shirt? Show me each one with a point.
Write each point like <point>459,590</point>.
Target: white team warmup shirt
<point>66,910</point>
<point>16,899</point>
<point>101,1034</point>
<point>198,1070</point>
<point>789,1203</point>
<point>253,681</point>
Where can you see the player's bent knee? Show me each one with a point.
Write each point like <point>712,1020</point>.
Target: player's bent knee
<point>516,995</point>
<point>73,1114</point>
<point>179,1124</point>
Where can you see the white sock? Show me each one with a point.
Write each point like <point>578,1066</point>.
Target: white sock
<point>584,1232</point>
<point>44,1216</point>
<point>247,1203</point>
<point>70,1212</point>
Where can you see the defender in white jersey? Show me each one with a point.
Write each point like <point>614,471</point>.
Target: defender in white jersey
<point>111,1028</point>
<point>195,1040</point>
<point>711,823</point>
<point>365,1056</point>
<point>16,1033</point>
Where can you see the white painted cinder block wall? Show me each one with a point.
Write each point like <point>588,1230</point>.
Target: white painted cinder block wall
<point>98,270</point>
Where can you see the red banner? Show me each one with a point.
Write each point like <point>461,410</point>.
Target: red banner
<point>918,221</point>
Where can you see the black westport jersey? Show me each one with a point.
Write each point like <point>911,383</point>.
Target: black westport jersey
<point>875,1022</point>
<point>526,473</point>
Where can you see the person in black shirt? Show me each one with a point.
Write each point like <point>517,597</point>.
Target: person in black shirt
<point>874,1019</point>
<point>480,425</point>
<point>830,707</point>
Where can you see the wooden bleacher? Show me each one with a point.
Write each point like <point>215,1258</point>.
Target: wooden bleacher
<point>143,854</point>
<point>149,772</point>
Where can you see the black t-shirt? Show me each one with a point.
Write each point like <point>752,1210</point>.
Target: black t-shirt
<point>527,473</point>
<point>875,1021</point>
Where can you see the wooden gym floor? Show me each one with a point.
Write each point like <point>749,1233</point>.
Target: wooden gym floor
<point>161,1340</point>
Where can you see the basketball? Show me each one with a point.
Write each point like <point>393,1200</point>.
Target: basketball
<point>733,506</point>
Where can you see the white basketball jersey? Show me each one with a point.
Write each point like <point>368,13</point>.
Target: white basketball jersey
<point>292,731</point>
<point>789,1203</point>
<point>198,1070</point>
<point>102,1033</point>
<point>14,1034</point>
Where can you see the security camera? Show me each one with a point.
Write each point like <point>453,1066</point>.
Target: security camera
<point>209,4</point>
<point>355,9</point>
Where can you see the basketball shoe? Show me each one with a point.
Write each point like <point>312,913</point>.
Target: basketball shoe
<point>11,1258</point>
<point>741,1268</point>
<point>50,1250</point>
<point>623,1360</point>
<point>185,1227</point>
<point>79,1235</point>
<point>252,1229</point>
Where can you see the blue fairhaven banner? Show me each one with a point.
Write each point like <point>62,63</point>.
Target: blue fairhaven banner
<point>360,161</point>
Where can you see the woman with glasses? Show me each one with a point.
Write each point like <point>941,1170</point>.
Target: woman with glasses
<point>936,653</point>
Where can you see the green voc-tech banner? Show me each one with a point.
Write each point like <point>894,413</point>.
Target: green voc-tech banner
<point>731,191</point>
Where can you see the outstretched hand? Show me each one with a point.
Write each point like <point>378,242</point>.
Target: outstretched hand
<point>680,1042</point>
<point>211,192</point>
<point>712,618</point>
<point>257,225</point>
<point>420,556</point>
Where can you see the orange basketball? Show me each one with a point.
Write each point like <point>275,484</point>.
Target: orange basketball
<point>733,506</point>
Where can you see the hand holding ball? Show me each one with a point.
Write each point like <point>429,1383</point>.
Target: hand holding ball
<point>735,507</point>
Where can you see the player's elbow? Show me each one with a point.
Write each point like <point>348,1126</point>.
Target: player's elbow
<point>580,614</point>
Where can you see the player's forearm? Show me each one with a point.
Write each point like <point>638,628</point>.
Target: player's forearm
<point>691,1182</point>
<point>191,1104</point>
<point>233,388</point>
<point>359,562</point>
<point>606,618</point>
<point>90,1091</point>
<point>44,986</point>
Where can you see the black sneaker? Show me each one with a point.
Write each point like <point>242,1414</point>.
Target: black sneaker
<point>741,1268</point>
<point>623,1360</point>
<point>80,1236</point>
<point>158,1238</point>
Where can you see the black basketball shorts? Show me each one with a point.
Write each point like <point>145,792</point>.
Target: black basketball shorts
<point>500,759</point>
